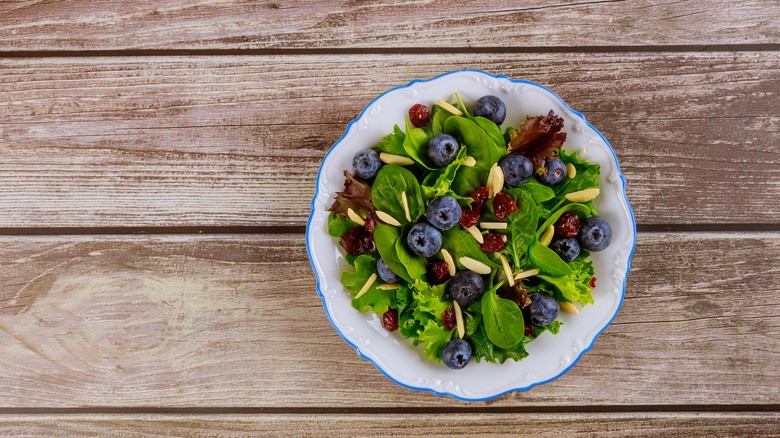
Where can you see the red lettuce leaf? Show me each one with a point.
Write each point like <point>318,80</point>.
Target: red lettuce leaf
<point>356,195</point>
<point>538,138</point>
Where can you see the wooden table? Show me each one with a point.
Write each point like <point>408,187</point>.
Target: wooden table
<point>159,157</point>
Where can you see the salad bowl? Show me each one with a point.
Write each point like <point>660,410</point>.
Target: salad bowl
<point>549,355</point>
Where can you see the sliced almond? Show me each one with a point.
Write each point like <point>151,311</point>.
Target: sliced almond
<point>469,162</point>
<point>526,274</point>
<point>498,179</point>
<point>571,171</point>
<point>450,262</point>
<point>355,217</point>
<point>507,270</point>
<point>568,307</point>
<point>449,108</point>
<point>477,235</point>
<point>547,236</point>
<point>493,225</point>
<point>395,159</point>
<point>388,286</point>
<point>366,286</point>
<point>386,218</point>
<point>474,265</point>
<point>406,207</point>
<point>583,195</point>
<point>459,320</point>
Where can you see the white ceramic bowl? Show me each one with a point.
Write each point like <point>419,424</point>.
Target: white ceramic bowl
<point>549,355</point>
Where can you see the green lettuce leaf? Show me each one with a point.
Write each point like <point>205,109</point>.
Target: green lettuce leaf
<point>393,143</point>
<point>338,225</point>
<point>376,300</point>
<point>459,243</point>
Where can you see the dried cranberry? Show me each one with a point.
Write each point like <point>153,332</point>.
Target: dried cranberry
<point>469,217</point>
<point>479,197</point>
<point>567,225</point>
<point>503,204</point>
<point>438,272</point>
<point>528,330</point>
<point>356,241</point>
<point>492,243</point>
<point>592,282</point>
<point>515,294</point>
<point>448,316</point>
<point>390,320</point>
<point>419,115</point>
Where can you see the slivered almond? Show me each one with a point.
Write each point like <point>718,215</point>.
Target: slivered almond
<point>406,207</point>
<point>386,218</point>
<point>459,320</point>
<point>477,235</point>
<point>355,217</point>
<point>475,265</point>
<point>489,182</point>
<point>388,286</point>
<point>583,195</point>
<point>568,307</point>
<point>498,179</point>
<point>507,271</point>
<point>451,269</point>
<point>526,274</point>
<point>571,171</point>
<point>366,286</point>
<point>469,162</point>
<point>395,159</point>
<point>449,108</point>
<point>584,150</point>
<point>547,236</point>
<point>493,225</point>
<point>503,238</point>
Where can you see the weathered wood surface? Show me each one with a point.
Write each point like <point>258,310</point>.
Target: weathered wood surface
<point>235,321</point>
<point>237,141</point>
<point>231,24</point>
<point>752,424</point>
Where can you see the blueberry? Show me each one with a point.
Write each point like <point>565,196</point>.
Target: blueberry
<point>517,169</point>
<point>387,275</point>
<point>424,239</point>
<point>566,247</point>
<point>595,233</point>
<point>442,149</point>
<point>456,354</point>
<point>443,212</point>
<point>466,287</point>
<point>490,107</point>
<point>366,163</point>
<point>555,172</point>
<point>543,309</point>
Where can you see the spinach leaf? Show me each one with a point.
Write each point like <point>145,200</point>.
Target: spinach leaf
<point>468,180</point>
<point>580,210</point>
<point>438,117</point>
<point>478,143</point>
<point>415,265</point>
<point>393,143</point>
<point>385,237</point>
<point>376,300</point>
<point>538,191</point>
<point>547,260</point>
<point>386,193</point>
<point>493,131</point>
<point>416,145</point>
<point>459,243</point>
<point>439,182</point>
<point>521,225</point>
<point>338,225</point>
<point>502,319</point>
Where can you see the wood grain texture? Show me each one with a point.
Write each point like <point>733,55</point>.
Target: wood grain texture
<point>409,425</point>
<point>230,24</point>
<point>234,320</point>
<point>201,141</point>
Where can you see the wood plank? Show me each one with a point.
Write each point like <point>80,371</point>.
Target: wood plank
<point>231,24</point>
<point>234,320</point>
<point>753,424</point>
<point>202,141</point>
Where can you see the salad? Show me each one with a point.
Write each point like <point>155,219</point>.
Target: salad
<point>466,238</point>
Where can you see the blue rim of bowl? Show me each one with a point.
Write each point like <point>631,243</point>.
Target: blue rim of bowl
<point>317,191</point>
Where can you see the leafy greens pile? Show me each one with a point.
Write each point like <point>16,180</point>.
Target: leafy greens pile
<point>494,326</point>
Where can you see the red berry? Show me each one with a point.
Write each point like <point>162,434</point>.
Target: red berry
<point>503,204</point>
<point>592,282</point>
<point>528,330</point>
<point>448,316</point>
<point>419,115</point>
<point>390,320</point>
<point>492,243</point>
<point>480,196</point>
<point>438,272</point>
<point>567,225</point>
<point>469,217</point>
